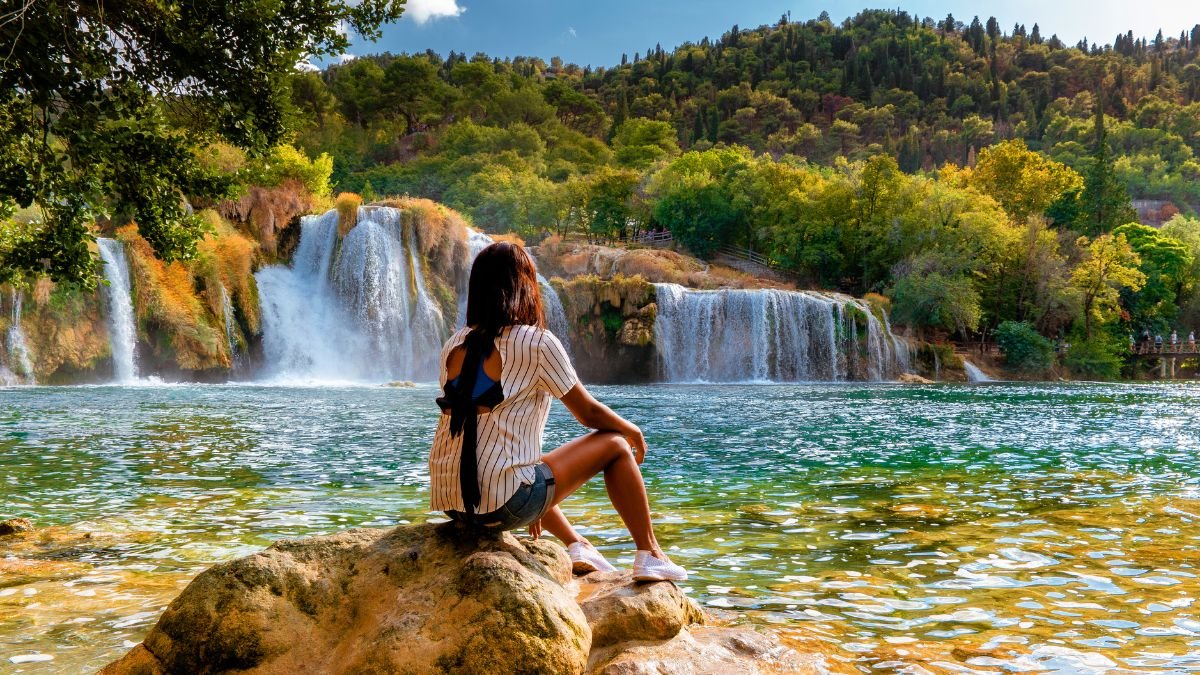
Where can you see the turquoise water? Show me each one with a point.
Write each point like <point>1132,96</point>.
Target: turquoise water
<point>999,527</point>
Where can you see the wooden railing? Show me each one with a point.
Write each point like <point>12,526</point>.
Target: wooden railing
<point>750,256</point>
<point>662,238</point>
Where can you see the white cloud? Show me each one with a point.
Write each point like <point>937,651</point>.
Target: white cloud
<point>344,58</point>
<point>572,32</point>
<point>423,11</point>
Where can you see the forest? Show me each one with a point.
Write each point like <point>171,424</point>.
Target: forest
<point>987,183</point>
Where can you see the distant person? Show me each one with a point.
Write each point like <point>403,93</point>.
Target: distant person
<point>498,375</point>
<point>1158,343</point>
<point>1174,339</point>
<point>1192,341</point>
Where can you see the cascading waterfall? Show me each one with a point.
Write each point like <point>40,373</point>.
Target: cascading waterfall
<point>770,335</point>
<point>122,329</point>
<point>356,309</point>
<point>18,349</point>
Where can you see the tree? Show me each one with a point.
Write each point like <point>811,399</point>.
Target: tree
<point>1024,349</point>
<point>1166,263</point>
<point>1109,265</point>
<point>1104,201</point>
<point>640,142</point>
<point>102,106</point>
<point>1025,183</point>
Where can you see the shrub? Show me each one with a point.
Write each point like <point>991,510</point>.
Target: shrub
<point>1024,348</point>
<point>1095,359</point>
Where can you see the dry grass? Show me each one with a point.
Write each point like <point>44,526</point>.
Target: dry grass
<point>558,258</point>
<point>226,259</point>
<point>167,304</point>
<point>347,204</point>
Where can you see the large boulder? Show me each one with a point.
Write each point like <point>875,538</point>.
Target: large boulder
<point>421,599</point>
<point>438,599</point>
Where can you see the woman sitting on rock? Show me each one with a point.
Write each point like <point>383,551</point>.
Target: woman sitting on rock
<point>498,374</point>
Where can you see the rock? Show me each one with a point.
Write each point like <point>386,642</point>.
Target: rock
<point>706,649</point>
<point>15,525</point>
<point>619,610</point>
<point>401,384</point>
<point>913,378</point>
<point>419,599</point>
<point>438,599</point>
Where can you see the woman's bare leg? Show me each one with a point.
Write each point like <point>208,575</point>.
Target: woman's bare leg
<point>604,451</point>
<point>557,524</point>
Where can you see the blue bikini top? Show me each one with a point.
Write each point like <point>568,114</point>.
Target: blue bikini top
<point>483,382</point>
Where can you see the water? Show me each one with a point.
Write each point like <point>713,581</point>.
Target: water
<point>230,336</point>
<point>122,329</point>
<point>771,335</point>
<point>18,348</point>
<point>354,310</point>
<point>999,528</point>
<point>974,374</point>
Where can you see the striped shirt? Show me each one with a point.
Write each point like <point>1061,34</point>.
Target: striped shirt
<point>534,367</point>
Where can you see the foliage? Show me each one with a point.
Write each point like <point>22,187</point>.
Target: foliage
<point>927,296</point>
<point>1024,348</point>
<point>1024,182</point>
<point>1166,264</point>
<point>1097,358</point>
<point>1109,265</point>
<point>103,105</point>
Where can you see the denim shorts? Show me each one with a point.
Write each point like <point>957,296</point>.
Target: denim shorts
<point>528,504</point>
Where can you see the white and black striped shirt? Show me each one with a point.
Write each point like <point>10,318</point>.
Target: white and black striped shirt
<point>534,367</point>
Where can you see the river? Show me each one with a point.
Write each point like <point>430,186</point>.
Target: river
<point>992,527</point>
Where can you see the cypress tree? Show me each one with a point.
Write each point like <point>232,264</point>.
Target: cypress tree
<point>1105,202</point>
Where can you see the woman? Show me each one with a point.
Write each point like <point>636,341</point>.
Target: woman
<point>498,374</point>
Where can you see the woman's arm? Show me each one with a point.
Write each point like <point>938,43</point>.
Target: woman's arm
<point>594,414</point>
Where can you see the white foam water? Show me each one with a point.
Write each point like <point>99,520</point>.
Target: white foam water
<point>122,328</point>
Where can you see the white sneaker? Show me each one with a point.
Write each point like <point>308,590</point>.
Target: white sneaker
<point>585,558</point>
<point>648,568</point>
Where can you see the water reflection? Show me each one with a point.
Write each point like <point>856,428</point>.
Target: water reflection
<point>980,529</point>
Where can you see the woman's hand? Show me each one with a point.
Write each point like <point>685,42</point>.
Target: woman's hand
<point>637,441</point>
<point>535,529</point>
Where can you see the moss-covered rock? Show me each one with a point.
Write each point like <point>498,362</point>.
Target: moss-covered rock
<point>611,327</point>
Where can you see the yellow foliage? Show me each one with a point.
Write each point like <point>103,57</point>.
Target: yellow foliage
<point>347,204</point>
<point>225,258</point>
<point>165,297</point>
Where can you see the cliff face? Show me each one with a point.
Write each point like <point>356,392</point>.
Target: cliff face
<point>612,327</point>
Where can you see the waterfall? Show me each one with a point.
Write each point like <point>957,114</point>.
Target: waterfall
<point>18,349</point>
<point>230,335</point>
<point>122,330</point>
<point>974,374</point>
<point>769,335</point>
<point>556,317</point>
<point>357,309</point>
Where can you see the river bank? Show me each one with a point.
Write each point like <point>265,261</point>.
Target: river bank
<point>1023,523</point>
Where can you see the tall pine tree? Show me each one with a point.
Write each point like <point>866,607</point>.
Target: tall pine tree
<point>1105,202</point>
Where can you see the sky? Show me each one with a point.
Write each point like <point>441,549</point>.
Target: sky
<point>598,32</point>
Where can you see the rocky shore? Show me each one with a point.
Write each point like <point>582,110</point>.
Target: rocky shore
<point>439,599</point>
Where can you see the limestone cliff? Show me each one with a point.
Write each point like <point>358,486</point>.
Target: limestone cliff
<point>611,327</point>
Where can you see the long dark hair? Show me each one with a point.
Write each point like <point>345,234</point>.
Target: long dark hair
<point>503,290</point>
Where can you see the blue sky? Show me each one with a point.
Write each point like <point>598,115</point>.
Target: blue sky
<point>597,33</point>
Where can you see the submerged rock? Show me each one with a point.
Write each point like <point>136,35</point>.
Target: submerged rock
<point>436,599</point>
<point>15,525</point>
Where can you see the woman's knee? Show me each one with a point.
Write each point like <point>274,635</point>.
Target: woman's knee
<point>616,444</point>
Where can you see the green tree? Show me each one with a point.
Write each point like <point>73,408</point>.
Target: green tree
<point>1025,350</point>
<point>103,105</point>
<point>1166,263</point>
<point>640,142</point>
<point>1104,202</point>
<point>1025,183</point>
<point>1109,265</point>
